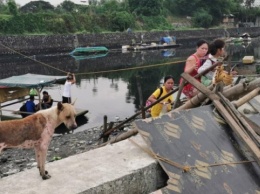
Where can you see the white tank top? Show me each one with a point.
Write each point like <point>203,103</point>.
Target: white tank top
<point>67,89</point>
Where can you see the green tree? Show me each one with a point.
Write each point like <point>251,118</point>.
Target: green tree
<point>146,7</point>
<point>67,5</point>
<point>122,20</point>
<point>186,7</point>
<point>3,7</point>
<point>69,22</point>
<point>249,3</point>
<point>15,25</point>
<point>155,23</point>
<point>94,2</point>
<point>215,8</point>
<point>170,5</point>
<point>12,7</point>
<point>110,6</point>
<point>36,6</point>
<point>202,19</point>
<point>246,15</point>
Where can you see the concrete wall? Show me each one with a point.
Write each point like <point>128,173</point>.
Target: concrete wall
<point>120,168</point>
<point>64,43</point>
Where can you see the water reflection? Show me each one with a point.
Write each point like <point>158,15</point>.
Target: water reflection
<point>168,52</point>
<point>115,85</point>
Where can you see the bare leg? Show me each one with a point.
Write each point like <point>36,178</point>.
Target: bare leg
<point>36,149</point>
<point>43,155</point>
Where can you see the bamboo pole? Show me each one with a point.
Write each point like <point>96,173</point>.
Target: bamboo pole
<point>157,101</point>
<point>238,116</point>
<point>121,137</point>
<point>230,93</point>
<point>237,129</point>
<point>177,100</point>
<point>246,98</point>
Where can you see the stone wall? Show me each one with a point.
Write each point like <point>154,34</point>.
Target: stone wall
<point>37,44</point>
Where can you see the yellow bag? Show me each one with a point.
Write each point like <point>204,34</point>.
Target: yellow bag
<point>227,79</point>
<point>221,75</point>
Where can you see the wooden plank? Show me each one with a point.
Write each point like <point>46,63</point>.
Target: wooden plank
<point>206,143</point>
<point>246,98</point>
<point>177,99</point>
<point>244,122</point>
<point>253,124</point>
<point>200,87</point>
<point>230,92</point>
<point>230,120</point>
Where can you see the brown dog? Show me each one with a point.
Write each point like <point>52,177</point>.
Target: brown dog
<point>36,131</point>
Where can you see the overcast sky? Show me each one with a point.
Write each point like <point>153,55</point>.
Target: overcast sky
<point>53,2</point>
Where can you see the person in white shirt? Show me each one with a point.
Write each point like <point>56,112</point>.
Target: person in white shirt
<point>216,50</point>
<point>66,96</point>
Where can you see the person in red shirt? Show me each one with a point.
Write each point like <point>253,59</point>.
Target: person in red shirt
<point>192,65</point>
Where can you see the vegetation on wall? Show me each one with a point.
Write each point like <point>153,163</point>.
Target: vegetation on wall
<point>117,16</point>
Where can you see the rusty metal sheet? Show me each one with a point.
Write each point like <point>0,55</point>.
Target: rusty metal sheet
<point>198,137</point>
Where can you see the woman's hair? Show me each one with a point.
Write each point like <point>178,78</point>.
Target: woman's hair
<point>215,45</point>
<point>168,77</point>
<point>70,77</point>
<point>201,42</point>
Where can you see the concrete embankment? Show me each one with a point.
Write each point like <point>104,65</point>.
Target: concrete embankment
<point>37,44</point>
<point>119,168</point>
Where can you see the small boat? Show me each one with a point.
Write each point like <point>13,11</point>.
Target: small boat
<point>151,47</point>
<point>90,56</point>
<point>88,50</point>
<point>244,38</point>
<point>16,89</point>
<point>164,43</point>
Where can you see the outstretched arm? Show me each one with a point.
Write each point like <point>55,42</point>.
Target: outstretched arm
<point>74,79</point>
<point>190,65</point>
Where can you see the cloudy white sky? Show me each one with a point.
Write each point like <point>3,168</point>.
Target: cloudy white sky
<point>53,2</point>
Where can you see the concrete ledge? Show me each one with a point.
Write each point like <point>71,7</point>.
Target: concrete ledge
<point>119,168</point>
